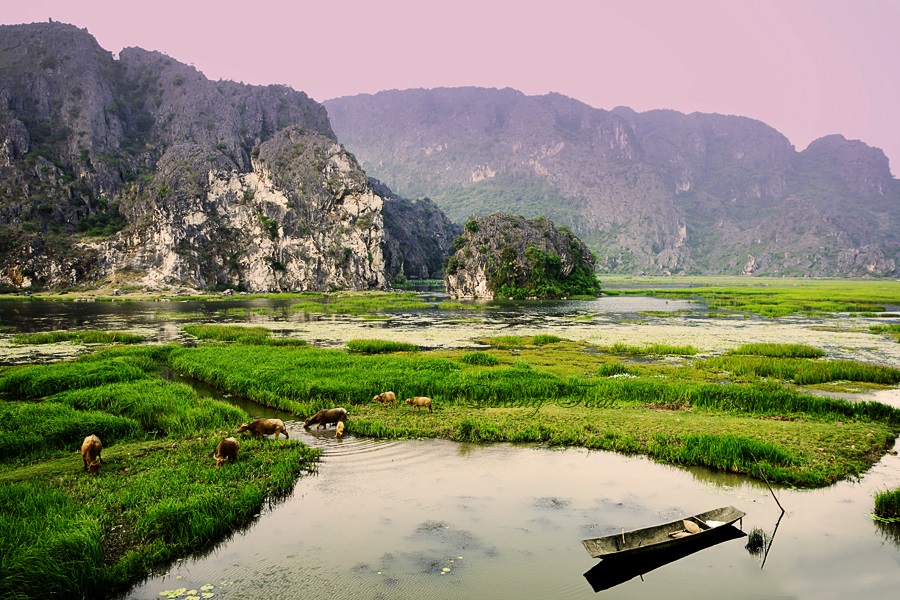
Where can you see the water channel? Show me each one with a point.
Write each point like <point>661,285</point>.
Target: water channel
<point>437,519</point>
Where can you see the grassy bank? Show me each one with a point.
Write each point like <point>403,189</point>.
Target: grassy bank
<point>158,496</point>
<point>756,428</point>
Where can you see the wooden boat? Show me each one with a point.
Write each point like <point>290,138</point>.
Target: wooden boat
<point>615,569</point>
<point>658,537</point>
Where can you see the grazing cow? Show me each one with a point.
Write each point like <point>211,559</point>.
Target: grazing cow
<point>90,454</point>
<point>325,417</point>
<point>420,401</point>
<point>386,398</point>
<point>262,427</point>
<point>226,450</point>
<point>340,429</point>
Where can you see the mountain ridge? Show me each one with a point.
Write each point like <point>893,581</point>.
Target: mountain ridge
<point>654,192</point>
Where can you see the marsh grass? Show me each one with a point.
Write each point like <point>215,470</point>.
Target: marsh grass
<point>887,504</point>
<point>68,534</point>
<point>360,303</point>
<point>35,381</point>
<point>650,349</point>
<point>64,533</point>
<point>893,330</point>
<point>779,350</point>
<point>379,346</point>
<point>801,371</point>
<point>774,298</point>
<point>239,334</point>
<point>480,358</point>
<point>80,337</point>
<point>544,339</point>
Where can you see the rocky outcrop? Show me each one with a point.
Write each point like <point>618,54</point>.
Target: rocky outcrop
<point>139,166</point>
<point>505,256</point>
<point>658,192</point>
<point>418,236</point>
<point>304,218</point>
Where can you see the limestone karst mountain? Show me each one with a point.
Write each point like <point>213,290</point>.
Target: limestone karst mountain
<point>655,192</point>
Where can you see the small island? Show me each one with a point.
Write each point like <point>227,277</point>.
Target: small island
<point>510,257</point>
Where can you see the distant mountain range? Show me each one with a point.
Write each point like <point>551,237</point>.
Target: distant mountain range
<point>655,192</point>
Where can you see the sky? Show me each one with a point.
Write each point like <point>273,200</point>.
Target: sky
<point>808,68</point>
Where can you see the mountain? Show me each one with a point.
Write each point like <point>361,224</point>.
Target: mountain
<point>656,192</point>
<point>139,169</point>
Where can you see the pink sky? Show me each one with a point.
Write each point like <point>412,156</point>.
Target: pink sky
<point>806,67</point>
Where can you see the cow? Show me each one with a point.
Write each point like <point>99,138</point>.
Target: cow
<point>386,398</point>
<point>226,450</point>
<point>90,454</point>
<point>340,429</point>
<point>325,417</point>
<point>418,401</point>
<point>263,427</point>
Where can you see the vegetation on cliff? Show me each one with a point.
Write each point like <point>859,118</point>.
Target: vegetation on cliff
<point>505,256</point>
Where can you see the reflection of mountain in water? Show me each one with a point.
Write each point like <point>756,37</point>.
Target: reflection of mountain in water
<point>611,571</point>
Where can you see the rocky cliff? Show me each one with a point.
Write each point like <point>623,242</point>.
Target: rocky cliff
<point>656,192</point>
<point>506,256</point>
<point>141,167</point>
<point>418,236</point>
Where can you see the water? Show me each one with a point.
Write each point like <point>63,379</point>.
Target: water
<point>384,519</point>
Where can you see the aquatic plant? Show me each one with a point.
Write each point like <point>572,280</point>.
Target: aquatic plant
<point>779,350</point>
<point>239,334</point>
<point>887,504</point>
<point>801,371</point>
<point>543,339</point>
<point>651,349</point>
<point>81,337</point>
<point>35,381</point>
<point>479,358</point>
<point>379,346</point>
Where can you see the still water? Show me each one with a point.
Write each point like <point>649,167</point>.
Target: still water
<point>437,519</point>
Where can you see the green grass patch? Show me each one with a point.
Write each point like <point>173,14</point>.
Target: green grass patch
<point>892,330</point>
<point>770,297</point>
<point>80,337</point>
<point>239,334</point>
<point>379,346</point>
<point>482,359</point>
<point>650,349</point>
<point>360,303</point>
<point>543,339</point>
<point>887,504</point>
<point>801,371</point>
<point>779,350</point>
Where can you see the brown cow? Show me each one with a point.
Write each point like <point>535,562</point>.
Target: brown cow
<point>325,417</point>
<point>226,450</point>
<point>90,454</point>
<point>262,427</point>
<point>386,398</point>
<point>420,401</point>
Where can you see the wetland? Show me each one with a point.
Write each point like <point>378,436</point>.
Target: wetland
<point>586,417</point>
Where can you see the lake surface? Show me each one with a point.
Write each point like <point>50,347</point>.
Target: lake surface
<point>437,519</point>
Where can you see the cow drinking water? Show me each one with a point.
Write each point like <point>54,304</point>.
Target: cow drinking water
<point>262,427</point>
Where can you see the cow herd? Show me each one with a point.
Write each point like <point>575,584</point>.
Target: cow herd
<point>227,449</point>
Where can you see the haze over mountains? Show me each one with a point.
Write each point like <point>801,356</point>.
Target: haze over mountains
<point>138,169</point>
<point>654,192</point>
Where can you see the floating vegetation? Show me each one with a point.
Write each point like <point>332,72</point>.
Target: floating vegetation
<point>80,337</point>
